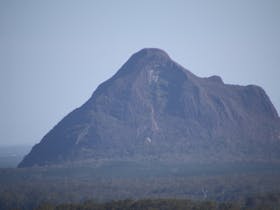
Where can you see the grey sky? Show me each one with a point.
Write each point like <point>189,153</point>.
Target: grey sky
<point>53,53</point>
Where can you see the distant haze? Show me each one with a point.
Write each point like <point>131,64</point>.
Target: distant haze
<point>53,54</point>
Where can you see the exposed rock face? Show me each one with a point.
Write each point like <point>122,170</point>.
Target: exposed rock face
<point>154,108</point>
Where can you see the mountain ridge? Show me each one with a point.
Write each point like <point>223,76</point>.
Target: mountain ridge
<point>154,107</point>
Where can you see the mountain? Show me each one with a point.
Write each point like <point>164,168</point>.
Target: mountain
<point>155,108</point>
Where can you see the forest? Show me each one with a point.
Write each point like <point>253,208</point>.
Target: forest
<point>268,202</point>
<point>141,185</point>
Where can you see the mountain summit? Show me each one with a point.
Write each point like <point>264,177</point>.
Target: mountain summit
<point>154,108</point>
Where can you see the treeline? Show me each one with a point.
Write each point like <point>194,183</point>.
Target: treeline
<point>149,204</point>
<point>267,202</point>
<point>53,193</point>
<point>70,187</point>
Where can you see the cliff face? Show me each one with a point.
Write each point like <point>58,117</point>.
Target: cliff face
<point>154,108</point>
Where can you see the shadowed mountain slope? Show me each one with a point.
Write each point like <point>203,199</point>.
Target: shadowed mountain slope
<point>154,108</point>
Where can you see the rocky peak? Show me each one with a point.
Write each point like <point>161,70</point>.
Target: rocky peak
<point>153,107</point>
<point>145,59</point>
<point>151,53</point>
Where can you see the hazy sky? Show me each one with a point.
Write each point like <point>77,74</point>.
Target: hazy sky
<point>53,54</point>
